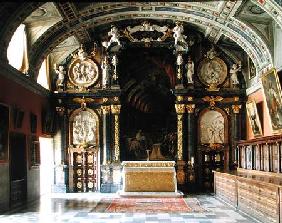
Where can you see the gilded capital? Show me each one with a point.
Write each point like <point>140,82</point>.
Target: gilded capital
<point>105,99</point>
<point>106,109</point>
<point>190,108</point>
<point>236,108</point>
<point>189,98</point>
<point>115,109</point>
<point>179,98</point>
<point>180,108</point>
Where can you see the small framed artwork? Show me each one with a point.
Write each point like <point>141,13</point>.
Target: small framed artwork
<point>272,95</point>
<point>4,132</point>
<point>252,68</point>
<point>34,151</point>
<point>33,123</point>
<point>254,118</point>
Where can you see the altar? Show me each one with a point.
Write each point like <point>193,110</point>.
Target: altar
<point>149,176</point>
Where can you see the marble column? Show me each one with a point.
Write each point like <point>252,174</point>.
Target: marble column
<point>116,111</point>
<point>180,110</point>
<point>235,125</point>
<point>106,134</point>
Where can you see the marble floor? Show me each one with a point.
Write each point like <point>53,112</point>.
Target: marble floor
<point>53,208</point>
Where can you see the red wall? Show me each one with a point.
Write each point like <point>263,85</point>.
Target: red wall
<point>267,130</point>
<point>13,94</point>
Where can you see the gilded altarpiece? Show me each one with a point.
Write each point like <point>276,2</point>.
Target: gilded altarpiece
<point>83,150</point>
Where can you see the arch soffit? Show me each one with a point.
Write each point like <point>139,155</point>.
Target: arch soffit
<point>234,29</point>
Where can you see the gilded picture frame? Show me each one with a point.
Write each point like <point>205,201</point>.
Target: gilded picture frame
<point>272,96</point>
<point>254,118</point>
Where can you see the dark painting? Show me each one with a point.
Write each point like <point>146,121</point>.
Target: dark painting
<point>148,118</point>
<point>4,129</point>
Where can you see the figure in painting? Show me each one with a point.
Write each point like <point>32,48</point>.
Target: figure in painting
<point>138,145</point>
<point>190,70</point>
<point>253,119</point>
<point>61,76</point>
<point>215,130</point>
<point>234,73</point>
<point>274,104</point>
<point>178,33</point>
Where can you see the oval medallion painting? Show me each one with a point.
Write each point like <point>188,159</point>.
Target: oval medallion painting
<point>83,73</point>
<point>212,72</point>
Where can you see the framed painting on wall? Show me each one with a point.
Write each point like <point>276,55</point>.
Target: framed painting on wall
<point>4,132</point>
<point>254,118</point>
<point>34,151</point>
<point>272,96</point>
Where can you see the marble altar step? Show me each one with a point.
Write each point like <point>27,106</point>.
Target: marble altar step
<point>122,193</point>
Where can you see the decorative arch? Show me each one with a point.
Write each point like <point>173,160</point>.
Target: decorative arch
<point>234,29</point>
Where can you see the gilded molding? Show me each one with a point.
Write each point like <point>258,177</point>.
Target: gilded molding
<point>116,99</point>
<point>105,99</point>
<point>190,108</point>
<point>148,164</point>
<point>115,109</point>
<point>180,108</point>
<point>116,139</point>
<point>236,108</point>
<point>212,99</point>
<point>236,98</point>
<point>179,136</point>
<point>106,109</point>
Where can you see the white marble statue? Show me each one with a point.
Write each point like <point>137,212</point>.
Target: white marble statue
<point>190,71</point>
<point>105,72</point>
<point>178,34</point>
<point>234,73</point>
<point>61,76</point>
<point>114,36</point>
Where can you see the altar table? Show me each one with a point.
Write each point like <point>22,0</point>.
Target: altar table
<point>149,176</point>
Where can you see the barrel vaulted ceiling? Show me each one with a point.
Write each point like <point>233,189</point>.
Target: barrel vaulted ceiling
<point>58,28</point>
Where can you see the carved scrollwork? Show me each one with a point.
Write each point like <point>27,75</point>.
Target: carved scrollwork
<point>190,108</point>
<point>236,108</point>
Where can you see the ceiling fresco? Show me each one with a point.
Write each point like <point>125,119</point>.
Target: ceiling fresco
<point>58,28</point>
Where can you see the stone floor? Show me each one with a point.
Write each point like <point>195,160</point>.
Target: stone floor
<point>53,208</point>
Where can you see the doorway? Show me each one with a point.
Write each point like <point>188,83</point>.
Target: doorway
<point>47,165</point>
<point>18,169</point>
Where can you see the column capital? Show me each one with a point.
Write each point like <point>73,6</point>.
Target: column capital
<point>236,108</point>
<point>106,109</point>
<point>115,109</point>
<point>190,108</point>
<point>180,108</point>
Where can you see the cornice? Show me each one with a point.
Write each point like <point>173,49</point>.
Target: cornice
<point>9,72</point>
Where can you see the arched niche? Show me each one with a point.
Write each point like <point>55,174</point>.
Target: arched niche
<point>84,128</point>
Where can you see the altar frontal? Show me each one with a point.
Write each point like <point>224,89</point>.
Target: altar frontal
<point>149,176</point>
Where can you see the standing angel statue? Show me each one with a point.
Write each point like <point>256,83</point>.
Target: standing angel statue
<point>233,73</point>
<point>178,33</point>
<point>61,76</point>
<point>190,70</point>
